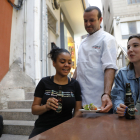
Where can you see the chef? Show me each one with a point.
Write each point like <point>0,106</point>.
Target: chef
<point>96,64</point>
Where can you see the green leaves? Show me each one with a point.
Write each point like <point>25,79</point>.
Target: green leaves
<point>86,107</point>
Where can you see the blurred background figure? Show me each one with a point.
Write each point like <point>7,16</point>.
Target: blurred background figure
<point>1,125</point>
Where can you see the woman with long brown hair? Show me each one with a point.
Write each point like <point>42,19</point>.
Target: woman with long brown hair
<point>129,74</point>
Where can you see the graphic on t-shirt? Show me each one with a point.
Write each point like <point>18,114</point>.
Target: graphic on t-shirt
<point>56,93</point>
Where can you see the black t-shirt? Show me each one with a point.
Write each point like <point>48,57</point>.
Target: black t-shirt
<point>45,89</point>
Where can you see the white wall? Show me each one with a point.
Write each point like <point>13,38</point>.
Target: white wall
<point>52,37</point>
<point>17,33</point>
<point>37,39</point>
<point>56,14</point>
<point>16,51</point>
<point>33,38</point>
<point>122,8</point>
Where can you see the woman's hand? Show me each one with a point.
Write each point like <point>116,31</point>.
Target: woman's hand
<point>121,110</point>
<point>38,109</point>
<point>52,103</point>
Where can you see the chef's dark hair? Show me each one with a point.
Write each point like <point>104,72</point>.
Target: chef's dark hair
<point>55,52</point>
<point>90,8</point>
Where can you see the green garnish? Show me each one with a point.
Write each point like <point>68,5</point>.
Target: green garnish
<point>86,107</point>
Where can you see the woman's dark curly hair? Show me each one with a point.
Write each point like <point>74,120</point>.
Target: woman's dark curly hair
<point>55,52</point>
<point>130,64</point>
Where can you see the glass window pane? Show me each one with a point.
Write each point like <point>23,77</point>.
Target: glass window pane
<point>133,1</point>
<point>66,37</point>
<point>124,28</point>
<point>132,27</point>
<point>138,27</point>
<point>129,1</point>
<point>125,36</point>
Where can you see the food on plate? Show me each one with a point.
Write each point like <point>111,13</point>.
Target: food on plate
<point>90,107</point>
<point>86,107</point>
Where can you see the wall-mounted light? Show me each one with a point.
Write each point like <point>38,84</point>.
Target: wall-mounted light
<point>56,4</point>
<point>117,20</point>
<point>17,7</point>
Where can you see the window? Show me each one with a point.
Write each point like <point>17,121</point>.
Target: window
<point>52,22</point>
<point>130,28</point>
<point>133,1</point>
<point>138,27</point>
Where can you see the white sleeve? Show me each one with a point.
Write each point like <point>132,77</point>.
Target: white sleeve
<point>109,54</point>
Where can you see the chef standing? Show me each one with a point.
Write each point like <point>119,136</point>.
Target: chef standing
<point>96,64</point>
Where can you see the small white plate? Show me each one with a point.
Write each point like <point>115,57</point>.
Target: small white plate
<point>91,111</point>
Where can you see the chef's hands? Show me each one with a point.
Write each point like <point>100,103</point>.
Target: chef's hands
<point>106,103</point>
<point>52,103</point>
<point>121,110</point>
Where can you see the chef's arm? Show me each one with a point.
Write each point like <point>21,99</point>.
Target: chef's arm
<point>106,97</point>
<point>108,80</point>
<point>75,73</point>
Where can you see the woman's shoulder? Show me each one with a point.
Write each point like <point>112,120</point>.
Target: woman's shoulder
<point>123,70</point>
<point>122,73</point>
<point>73,81</point>
<point>126,68</point>
<point>46,79</point>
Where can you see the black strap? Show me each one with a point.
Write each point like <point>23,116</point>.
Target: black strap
<point>137,79</point>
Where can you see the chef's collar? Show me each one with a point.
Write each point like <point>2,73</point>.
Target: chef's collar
<point>96,33</point>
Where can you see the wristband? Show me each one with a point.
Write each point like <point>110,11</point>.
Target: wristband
<point>106,94</point>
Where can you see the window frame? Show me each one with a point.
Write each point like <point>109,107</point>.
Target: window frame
<point>130,2</point>
<point>127,35</point>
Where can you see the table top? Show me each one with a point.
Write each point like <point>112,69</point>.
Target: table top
<point>97,126</point>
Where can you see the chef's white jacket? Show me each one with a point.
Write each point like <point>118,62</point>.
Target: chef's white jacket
<point>96,53</point>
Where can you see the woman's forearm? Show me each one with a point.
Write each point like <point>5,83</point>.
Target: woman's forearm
<point>39,110</point>
<point>77,107</point>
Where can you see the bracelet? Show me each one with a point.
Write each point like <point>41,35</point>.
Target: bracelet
<point>106,94</point>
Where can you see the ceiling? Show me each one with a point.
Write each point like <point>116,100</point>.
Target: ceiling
<point>73,10</point>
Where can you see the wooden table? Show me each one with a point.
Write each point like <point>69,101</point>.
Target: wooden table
<point>94,127</point>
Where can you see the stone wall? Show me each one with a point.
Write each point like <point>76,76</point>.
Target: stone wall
<point>14,85</point>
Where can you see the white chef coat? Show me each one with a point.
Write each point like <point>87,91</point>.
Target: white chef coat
<point>96,53</point>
